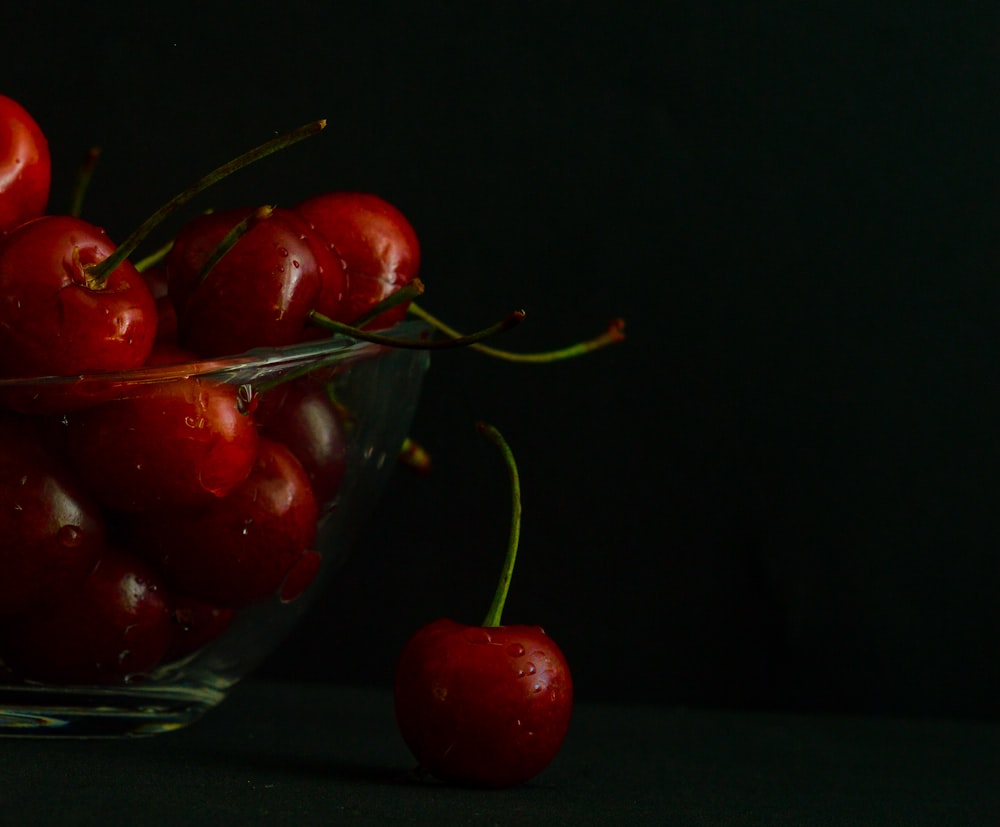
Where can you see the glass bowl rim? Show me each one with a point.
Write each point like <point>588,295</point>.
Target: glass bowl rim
<point>338,349</point>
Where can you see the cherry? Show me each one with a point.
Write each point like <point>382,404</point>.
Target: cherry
<point>56,316</point>
<point>240,549</point>
<point>114,627</point>
<point>180,443</point>
<point>484,705</point>
<point>25,166</point>
<point>52,532</point>
<point>376,243</point>
<point>166,314</point>
<point>260,291</point>
<point>302,415</point>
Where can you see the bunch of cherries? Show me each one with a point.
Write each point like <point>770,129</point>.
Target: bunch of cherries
<point>136,518</point>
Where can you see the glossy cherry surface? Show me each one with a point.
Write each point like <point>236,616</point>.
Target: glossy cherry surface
<point>116,625</point>
<point>260,292</point>
<point>25,166</point>
<point>55,317</point>
<point>377,244</point>
<point>240,549</point>
<point>483,706</point>
<point>51,531</point>
<point>302,415</point>
<point>182,443</point>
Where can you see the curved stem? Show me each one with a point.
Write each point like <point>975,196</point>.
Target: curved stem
<point>614,333</point>
<point>100,270</point>
<point>407,293</point>
<point>495,612</point>
<point>82,182</point>
<point>230,238</point>
<point>154,258</point>
<point>416,344</point>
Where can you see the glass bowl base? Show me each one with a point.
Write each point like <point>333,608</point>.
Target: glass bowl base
<point>115,712</point>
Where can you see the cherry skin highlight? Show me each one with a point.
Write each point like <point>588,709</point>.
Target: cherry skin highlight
<point>485,705</point>
<point>114,627</point>
<point>51,531</point>
<point>301,415</point>
<point>25,166</point>
<point>260,292</point>
<point>55,317</point>
<point>181,443</point>
<point>240,549</point>
<point>375,241</point>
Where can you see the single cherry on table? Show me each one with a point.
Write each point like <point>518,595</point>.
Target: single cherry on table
<point>485,705</point>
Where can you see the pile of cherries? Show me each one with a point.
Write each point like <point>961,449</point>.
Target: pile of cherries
<point>137,518</point>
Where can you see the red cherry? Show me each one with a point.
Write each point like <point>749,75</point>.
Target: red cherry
<point>178,443</point>
<point>484,705</point>
<point>258,294</point>
<point>166,321</point>
<point>25,166</point>
<point>55,317</point>
<point>302,415</point>
<point>377,244</point>
<point>113,628</point>
<point>52,532</point>
<point>241,548</point>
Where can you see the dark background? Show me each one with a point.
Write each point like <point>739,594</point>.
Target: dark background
<point>781,491</point>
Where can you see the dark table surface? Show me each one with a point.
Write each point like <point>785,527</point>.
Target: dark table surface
<point>285,753</point>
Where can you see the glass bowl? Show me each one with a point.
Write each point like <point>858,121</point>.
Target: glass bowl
<point>133,599</point>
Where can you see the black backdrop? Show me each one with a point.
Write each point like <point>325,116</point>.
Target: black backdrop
<point>781,491</point>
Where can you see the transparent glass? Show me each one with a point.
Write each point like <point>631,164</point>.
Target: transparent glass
<point>377,386</point>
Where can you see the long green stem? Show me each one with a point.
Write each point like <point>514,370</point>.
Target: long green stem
<point>154,258</point>
<point>230,238</point>
<point>407,293</point>
<point>614,333</point>
<point>495,612</point>
<point>415,344</point>
<point>127,247</point>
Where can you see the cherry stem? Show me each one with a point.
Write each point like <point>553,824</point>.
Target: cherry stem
<point>333,326</point>
<point>407,293</point>
<point>154,258</point>
<point>500,596</point>
<point>614,333</point>
<point>229,239</point>
<point>101,269</point>
<point>82,182</point>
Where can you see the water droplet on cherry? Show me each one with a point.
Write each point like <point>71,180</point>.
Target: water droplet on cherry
<point>477,634</point>
<point>515,650</point>
<point>69,536</point>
